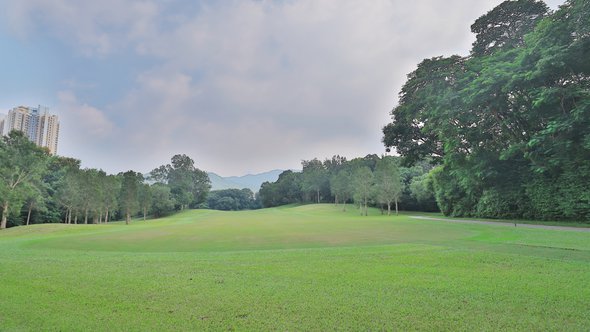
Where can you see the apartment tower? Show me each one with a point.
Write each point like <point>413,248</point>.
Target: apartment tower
<point>41,127</point>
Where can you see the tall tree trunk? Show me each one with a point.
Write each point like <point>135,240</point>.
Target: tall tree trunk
<point>127,217</point>
<point>86,216</point>
<point>29,214</point>
<point>100,216</point>
<point>106,217</point>
<point>396,210</point>
<point>388,208</point>
<point>318,193</point>
<point>4,215</point>
<point>144,212</point>
<point>76,219</point>
<point>70,216</point>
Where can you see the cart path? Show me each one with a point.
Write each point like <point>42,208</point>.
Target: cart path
<point>468,221</point>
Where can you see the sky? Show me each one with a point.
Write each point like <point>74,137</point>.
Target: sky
<point>241,87</point>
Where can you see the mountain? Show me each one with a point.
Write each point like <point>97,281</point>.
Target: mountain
<point>251,181</point>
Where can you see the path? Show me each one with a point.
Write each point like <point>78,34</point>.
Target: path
<point>467,221</point>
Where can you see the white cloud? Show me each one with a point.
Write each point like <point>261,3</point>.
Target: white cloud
<point>244,85</point>
<point>85,119</point>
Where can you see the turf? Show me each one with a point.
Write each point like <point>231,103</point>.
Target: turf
<point>305,268</point>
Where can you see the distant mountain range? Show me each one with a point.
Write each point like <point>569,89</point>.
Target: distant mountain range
<point>251,181</point>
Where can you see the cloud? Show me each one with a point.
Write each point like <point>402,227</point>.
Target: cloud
<point>243,85</point>
<point>83,118</point>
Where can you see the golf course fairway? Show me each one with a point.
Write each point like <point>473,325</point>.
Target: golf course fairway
<point>294,268</point>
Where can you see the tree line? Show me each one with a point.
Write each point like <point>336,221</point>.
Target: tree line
<point>369,181</point>
<point>36,187</point>
<point>508,126</point>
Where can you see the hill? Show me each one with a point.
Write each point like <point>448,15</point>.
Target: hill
<point>251,181</point>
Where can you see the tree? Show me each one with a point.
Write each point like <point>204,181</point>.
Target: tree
<point>163,203</point>
<point>388,184</point>
<point>342,187</point>
<point>363,180</point>
<point>506,25</point>
<point>314,177</point>
<point>189,185</point>
<point>509,121</point>
<point>111,186</point>
<point>145,198</point>
<point>21,164</point>
<point>129,194</point>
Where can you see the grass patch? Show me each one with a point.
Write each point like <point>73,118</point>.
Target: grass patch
<point>308,267</point>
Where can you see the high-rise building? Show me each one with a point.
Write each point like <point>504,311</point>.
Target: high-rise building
<point>37,124</point>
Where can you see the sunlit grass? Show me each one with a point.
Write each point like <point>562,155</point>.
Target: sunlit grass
<point>309,267</point>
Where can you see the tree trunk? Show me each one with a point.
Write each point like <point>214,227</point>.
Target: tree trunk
<point>127,217</point>
<point>396,210</point>
<point>75,219</point>
<point>106,217</point>
<point>388,208</point>
<point>86,216</point>
<point>318,191</point>
<point>29,214</point>
<point>144,212</point>
<point>4,215</point>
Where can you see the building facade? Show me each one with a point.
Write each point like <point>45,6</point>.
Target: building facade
<point>41,127</point>
<point>2,118</point>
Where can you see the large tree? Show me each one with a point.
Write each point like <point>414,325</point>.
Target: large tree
<point>510,123</point>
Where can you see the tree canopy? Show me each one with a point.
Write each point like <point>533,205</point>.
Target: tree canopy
<point>509,124</point>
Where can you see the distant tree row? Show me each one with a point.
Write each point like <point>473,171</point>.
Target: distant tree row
<point>368,181</point>
<point>509,124</point>
<point>38,188</point>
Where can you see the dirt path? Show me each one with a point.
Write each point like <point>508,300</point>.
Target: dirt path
<point>467,221</point>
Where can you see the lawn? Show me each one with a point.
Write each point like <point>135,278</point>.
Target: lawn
<point>305,268</point>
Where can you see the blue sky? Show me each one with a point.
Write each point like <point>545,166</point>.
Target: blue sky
<point>240,86</point>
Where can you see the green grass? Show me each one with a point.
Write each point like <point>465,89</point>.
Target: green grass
<point>309,268</point>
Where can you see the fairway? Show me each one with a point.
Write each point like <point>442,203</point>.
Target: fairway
<point>302,268</point>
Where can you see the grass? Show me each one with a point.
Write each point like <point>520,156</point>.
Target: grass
<point>306,268</point>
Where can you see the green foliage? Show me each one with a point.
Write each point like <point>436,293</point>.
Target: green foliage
<point>506,25</point>
<point>388,184</point>
<point>131,183</point>
<point>337,183</point>
<point>189,185</point>
<point>232,200</point>
<point>508,120</point>
<point>162,201</point>
<point>22,165</point>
